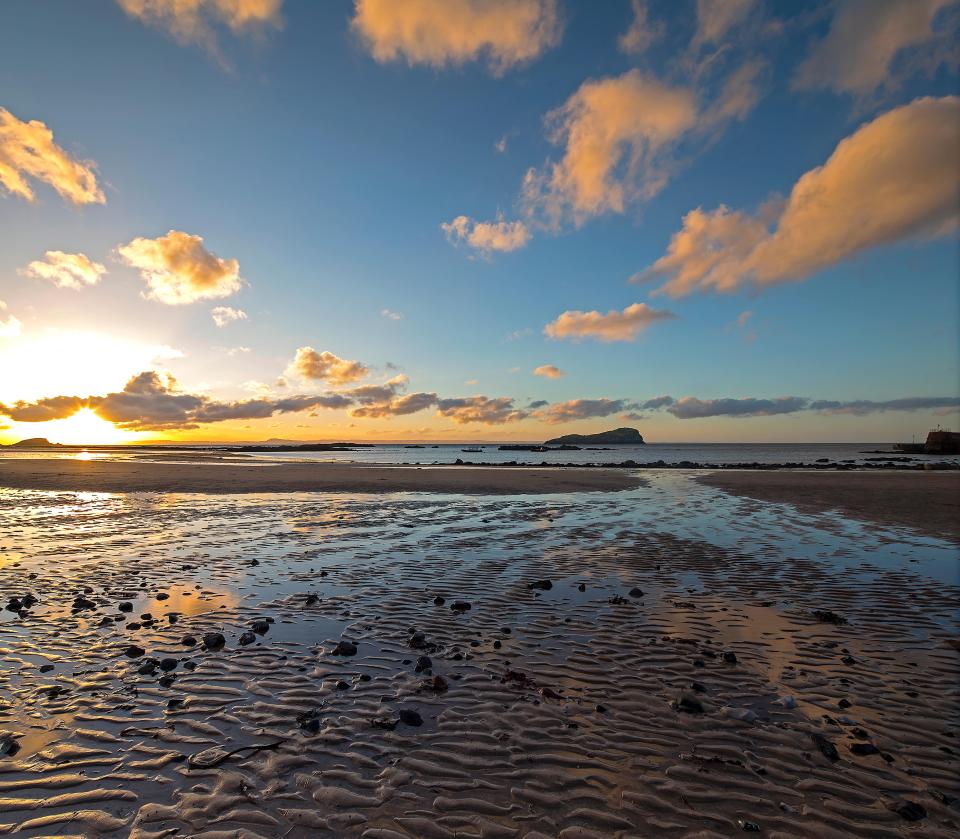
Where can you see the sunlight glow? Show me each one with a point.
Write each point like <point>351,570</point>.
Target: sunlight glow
<point>83,428</point>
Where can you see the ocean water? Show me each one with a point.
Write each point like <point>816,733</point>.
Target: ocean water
<point>704,453</point>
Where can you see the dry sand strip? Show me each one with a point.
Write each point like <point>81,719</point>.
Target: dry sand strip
<point>926,501</point>
<point>143,476</point>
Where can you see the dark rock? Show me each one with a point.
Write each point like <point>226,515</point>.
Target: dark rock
<point>827,749</point>
<point>213,641</point>
<point>438,601</point>
<point>8,744</point>
<point>844,703</point>
<point>162,596</point>
<point>166,681</point>
<point>423,663</point>
<point>45,668</point>
<point>826,616</point>
<point>909,810</point>
<point>460,606</point>
<point>81,603</point>
<point>261,627</point>
<point>497,645</point>
<point>438,684</point>
<point>582,587</point>
<point>385,723</point>
<point>730,657</point>
<point>14,605</point>
<point>311,600</point>
<point>188,641</point>
<point>345,648</point>
<point>410,717</point>
<point>133,651</point>
<point>342,685</point>
<point>748,827</point>
<point>246,638</point>
<point>542,585</point>
<point>147,668</point>
<point>689,704</point>
<point>635,592</point>
<point>168,664</point>
<point>417,641</point>
<point>863,749</point>
<point>126,606</point>
<point>698,687</point>
<point>600,709</point>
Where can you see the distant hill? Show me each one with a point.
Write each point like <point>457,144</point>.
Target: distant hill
<point>618,436</point>
<point>34,443</point>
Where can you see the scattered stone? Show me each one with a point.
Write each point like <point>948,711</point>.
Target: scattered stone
<point>438,601</point>
<point>168,664</point>
<point>345,648</point>
<point>698,687</point>
<point>81,603</point>
<point>909,810</point>
<point>600,709</point>
<point>497,645</point>
<point>438,684</point>
<point>409,717</point>
<point>730,657</point>
<point>827,616</point>
<point>748,827</point>
<point>46,668</point>
<point>247,637</point>
<point>385,723</point>
<point>162,596</point>
<point>689,704</point>
<point>261,627</point>
<point>460,606</point>
<point>309,721</point>
<point>863,749</point>
<point>147,668</point>
<point>188,641</point>
<point>844,703</point>
<point>133,651</point>
<point>423,663</point>
<point>542,585</point>
<point>417,641</point>
<point>311,600</point>
<point>827,749</point>
<point>166,681</point>
<point>213,641</point>
<point>8,744</point>
<point>342,685</point>
<point>636,592</point>
<point>126,606</point>
<point>582,587</point>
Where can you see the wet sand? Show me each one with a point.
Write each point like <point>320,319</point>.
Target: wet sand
<point>926,501</point>
<point>231,477</point>
<point>668,660</point>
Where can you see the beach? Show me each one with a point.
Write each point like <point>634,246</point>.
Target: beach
<point>653,657</point>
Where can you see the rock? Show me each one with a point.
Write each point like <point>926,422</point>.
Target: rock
<point>742,714</point>
<point>311,600</point>
<point>147,668</point>
<point>689,704</point>
<point>600,709</point>
<point>747,826</point>
<point>698,687</point>
<point>261,627</point>
<point>133,651</point>
<point>417,641</point>
<point>385,723</point>
<point>162,596</point>
<point>438,601</point>
<point>844,703</point>
<point>8,744</point>
<point>126,606</point>
<point>423,663</point>
<point>345,648</point>
<point>14,605</point>
<point>438,684</point>
<point>635,592</point>
<point>909,810</point>
<point>213,641</point>
<point>826,616</point>
<point>582,587</point>
<point>166,681</point>
<point>310,721</point>
<point>497,645</point>
<point>730,657</point>
<point>863,749</point>
<point>342,685</point>
<point>460,606</point>
<point>542,585</point>
<point>81,603</point>
<point>45,668</point>
<point>827,749</point>
<point>168,664</point>
<point>410,717</point>
<point>247,637</point>
<point>188,641</point>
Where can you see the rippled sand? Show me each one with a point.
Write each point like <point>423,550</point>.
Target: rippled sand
<point>558,711</point>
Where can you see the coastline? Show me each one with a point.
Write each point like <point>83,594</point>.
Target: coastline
<point>231,478</point>
<point>928,501</point>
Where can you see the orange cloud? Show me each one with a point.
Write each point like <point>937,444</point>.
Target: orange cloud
<point>66,270</point>
<point>642,33</point>
<point>487,236</point>
<point>868,40</point>
<point>27,150</point>
<point>482,410</point>
<point>715,18</point>
<point>893,179</point>
<point>178,269</point>
<point>453,32</point>
<point>193,21</point>
<point>612,326</point>
<point>325,366</point>
<point>9,326</point>
<point>548,371</point>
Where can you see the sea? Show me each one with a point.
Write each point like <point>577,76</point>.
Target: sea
<point>709,454</point>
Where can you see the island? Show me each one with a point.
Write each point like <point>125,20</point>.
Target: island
<point>617,436</point>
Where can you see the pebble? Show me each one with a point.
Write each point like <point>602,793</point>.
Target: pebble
<point>410,717</point>
<point>689,704</point>
<point>133,651</point>
<point>636,592</point>
<point>423,663</point>
<point>246,638</point>
<point>213,641</point>
<point>345,648</point>
<point>542,585</point>
<point>460,606</point>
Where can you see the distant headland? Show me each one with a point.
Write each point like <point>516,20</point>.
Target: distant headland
<point>618,436</point>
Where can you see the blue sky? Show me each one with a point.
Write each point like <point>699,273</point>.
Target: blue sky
<point>326,173</point>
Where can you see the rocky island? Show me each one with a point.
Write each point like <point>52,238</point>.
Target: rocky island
<point>617,436</point>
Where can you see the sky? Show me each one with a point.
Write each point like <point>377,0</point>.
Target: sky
<point>449,220</point>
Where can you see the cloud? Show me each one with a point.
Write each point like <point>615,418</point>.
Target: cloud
<point>613,326</point>
<point>548,371</point>
<point>223,315</point>
<point>481,409</point>
<point>390,315</point>
<point>862,407</point>
<point>9,326</point>
<point>656,403</point>
<point>690,407</point>
<point>27,151</point>
<point>877,44</point>
<point>452,32</point>
<point>66,270</point>
<point>894,179</point>
<point>43,410</point>
<point>325,366</point>
<point>487,236</point>
<point>399,406</point>
<point>716,18</point>
<point>501,145</point>
<point>615,133</point>
<point>178,269</point>
<point>642,32</point>
<point>580,409</point>
<point>196,21</point>
<point>742,319</point>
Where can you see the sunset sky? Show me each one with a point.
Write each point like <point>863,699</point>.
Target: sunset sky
<point>478,219</point>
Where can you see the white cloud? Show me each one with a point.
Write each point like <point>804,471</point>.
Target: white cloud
<point>223,315</point>
<point>895,178</point>
<point>27,151</point>
<point>391,315</point>
<point>452,32</point>
<point>178,269</point>
<point>612,326</point>
<point>325,366</point>
<point>487,236</point>
<point>549,371</point>
<point>10,327</point>
<point>66,270</point>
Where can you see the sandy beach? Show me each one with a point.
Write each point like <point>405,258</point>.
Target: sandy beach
<point>231,477</point>
<point>926,501</point>
<point>668,659</point>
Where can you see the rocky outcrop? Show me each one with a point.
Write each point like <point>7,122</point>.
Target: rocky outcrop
<point>618,436</point>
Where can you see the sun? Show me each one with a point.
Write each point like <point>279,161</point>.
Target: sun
<point>86,428</point>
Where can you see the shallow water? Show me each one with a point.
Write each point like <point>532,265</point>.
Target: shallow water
<point>493,757</point>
